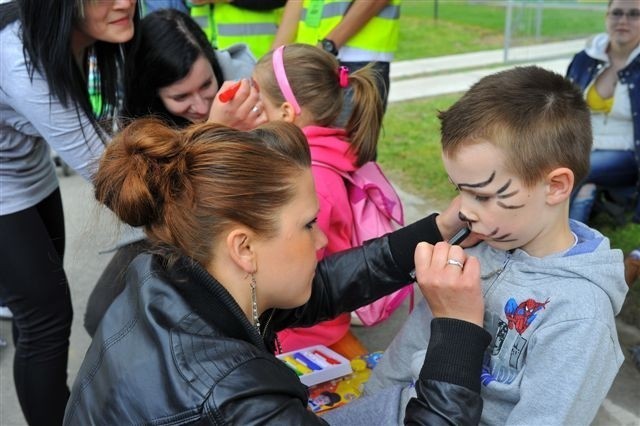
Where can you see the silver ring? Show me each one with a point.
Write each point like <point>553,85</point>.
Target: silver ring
<point>255,109</point>
<point>455,262</point>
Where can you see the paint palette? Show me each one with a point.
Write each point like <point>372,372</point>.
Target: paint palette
<point>316,364</point>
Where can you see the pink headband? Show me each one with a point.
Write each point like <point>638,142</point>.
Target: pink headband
<point>281,77</point>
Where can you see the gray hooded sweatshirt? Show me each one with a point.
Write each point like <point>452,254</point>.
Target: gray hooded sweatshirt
<point>554,352</point>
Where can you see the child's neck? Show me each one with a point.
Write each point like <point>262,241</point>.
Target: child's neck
<point>303,121</point>
<point>553,239</point>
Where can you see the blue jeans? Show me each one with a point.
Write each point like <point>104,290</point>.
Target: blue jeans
<point>611,169</point>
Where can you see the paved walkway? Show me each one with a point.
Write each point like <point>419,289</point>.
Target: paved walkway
<point>456,73</point>
<point>91,228</point>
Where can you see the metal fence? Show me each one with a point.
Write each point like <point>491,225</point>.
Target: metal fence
<point>524,18</point>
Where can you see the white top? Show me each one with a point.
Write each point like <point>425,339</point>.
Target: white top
<point>613,130</point>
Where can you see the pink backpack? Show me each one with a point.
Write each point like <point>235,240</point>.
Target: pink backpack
<point>376,210</point>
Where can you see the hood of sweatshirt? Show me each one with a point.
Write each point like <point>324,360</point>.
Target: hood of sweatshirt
<point>330,146</point>
<point>591,260</point>
<point>597,46</point>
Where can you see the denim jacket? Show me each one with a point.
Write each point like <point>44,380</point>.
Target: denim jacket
<point>585,67</point>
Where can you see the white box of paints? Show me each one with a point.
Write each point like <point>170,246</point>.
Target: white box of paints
<point>316,364</point>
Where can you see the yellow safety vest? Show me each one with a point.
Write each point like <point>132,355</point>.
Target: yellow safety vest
<point>226,24</point>
<point>319,17</point>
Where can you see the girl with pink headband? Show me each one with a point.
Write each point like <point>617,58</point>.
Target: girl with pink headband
<point>304,85</point>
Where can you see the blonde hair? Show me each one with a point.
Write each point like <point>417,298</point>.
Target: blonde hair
<point>313,76</point>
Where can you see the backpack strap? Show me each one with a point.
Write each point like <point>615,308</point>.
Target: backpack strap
<point>372,183</point>
<point>345,175</point>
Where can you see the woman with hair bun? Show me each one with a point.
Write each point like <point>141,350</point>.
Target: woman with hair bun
<point>231,217</point>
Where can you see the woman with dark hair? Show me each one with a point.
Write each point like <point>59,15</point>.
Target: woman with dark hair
<point>45,103</point>
<point>168,45</point>
<point>173,73</point>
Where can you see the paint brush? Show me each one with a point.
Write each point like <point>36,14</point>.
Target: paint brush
<point>228,94</point>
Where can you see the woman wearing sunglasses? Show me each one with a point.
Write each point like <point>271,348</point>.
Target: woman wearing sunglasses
<point>608,71</point>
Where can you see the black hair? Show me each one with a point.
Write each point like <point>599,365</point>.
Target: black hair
<point>167,44</point>
<point>47,28</point>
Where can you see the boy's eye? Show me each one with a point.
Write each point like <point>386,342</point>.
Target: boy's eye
<point>310,224</point>
<point>180,98</point>
<point>207,84</point>
<point>482,198</point>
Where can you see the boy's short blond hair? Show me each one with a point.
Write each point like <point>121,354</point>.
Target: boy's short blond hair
<point>536,117</point>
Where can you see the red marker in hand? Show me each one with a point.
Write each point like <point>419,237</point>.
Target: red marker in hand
<point>228,94</point>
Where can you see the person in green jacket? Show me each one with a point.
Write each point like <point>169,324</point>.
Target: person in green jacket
<point>253,22</point>
<point>357,33</point>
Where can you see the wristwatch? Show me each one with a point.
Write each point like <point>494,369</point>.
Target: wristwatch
<point>329,46</point>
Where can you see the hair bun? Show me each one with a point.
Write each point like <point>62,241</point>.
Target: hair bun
<point>141,169</point>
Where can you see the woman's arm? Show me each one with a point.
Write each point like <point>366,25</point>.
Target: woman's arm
<point>347,280</point>
<point>66,129</point>
<point>448,389</point>
<point>288,27</point>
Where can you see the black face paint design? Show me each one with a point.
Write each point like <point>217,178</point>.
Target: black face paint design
<point>501,194</point>
<point>477,185</point>
<point>502,238</point>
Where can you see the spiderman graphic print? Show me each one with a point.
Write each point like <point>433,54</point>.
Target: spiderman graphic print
<point>505,357</point>
<point>519,316</point>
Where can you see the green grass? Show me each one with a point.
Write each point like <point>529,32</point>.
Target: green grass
<point>464,26</point>
<point>410,147</point>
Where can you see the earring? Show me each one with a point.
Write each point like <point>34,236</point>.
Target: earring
<point>254,303</point>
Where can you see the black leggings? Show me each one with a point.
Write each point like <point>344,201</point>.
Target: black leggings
<point>34,286</point>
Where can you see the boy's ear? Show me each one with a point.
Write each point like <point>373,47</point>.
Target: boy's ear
<point>240,244</point>
<point>559,185</point>
<point>287,112</point>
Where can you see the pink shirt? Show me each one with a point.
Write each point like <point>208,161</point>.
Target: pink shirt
<point>329,146</point>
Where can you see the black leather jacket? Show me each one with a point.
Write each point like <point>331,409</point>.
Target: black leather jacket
<point>175,348</point>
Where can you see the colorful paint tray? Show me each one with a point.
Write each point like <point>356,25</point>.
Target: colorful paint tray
<point>316,364</point>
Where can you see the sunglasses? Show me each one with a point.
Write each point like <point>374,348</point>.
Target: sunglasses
<point>617,14</point>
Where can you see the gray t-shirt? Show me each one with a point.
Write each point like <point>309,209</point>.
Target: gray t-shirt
<point>31,122</point>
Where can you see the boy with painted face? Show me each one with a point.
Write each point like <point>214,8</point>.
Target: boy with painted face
<point>514,146</point>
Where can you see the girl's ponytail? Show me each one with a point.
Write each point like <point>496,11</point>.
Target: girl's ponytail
<point>314,79</point>
<point>365,121</point>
